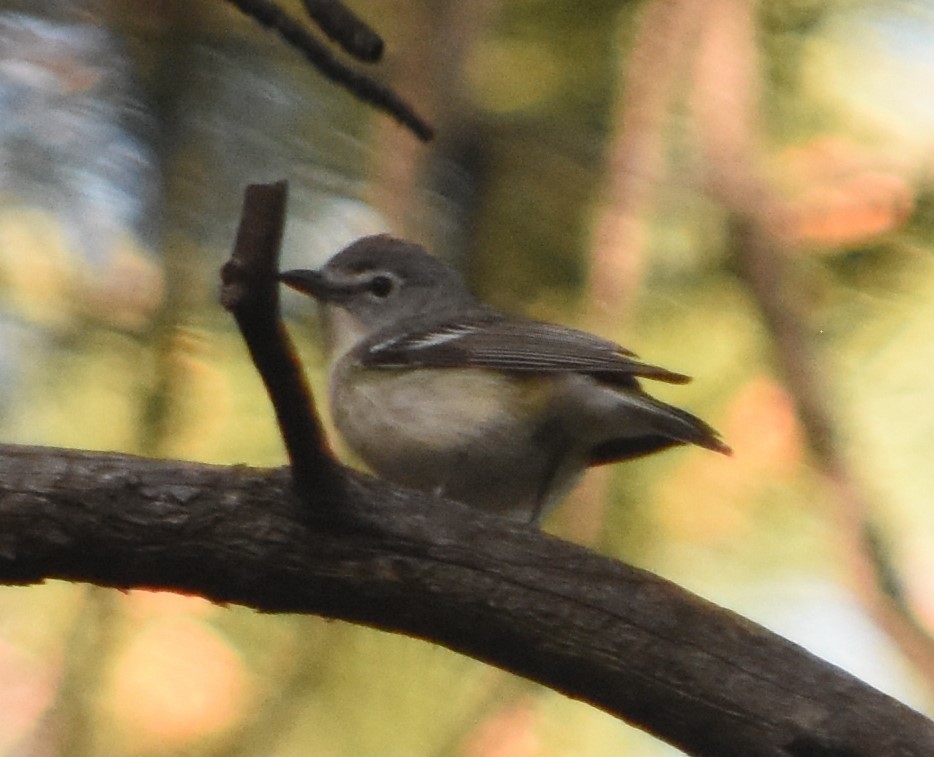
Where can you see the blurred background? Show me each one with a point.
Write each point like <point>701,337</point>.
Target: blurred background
<point>734,190</point>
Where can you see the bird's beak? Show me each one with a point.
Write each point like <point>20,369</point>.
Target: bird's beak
<point>316,284</point>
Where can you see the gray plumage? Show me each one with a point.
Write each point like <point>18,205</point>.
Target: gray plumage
<point>437,391</point>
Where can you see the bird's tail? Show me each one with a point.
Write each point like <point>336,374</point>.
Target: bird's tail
<point>653,425</point>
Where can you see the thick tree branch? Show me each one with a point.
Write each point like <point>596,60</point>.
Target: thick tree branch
<point>365,551</point>
<point>625,641</point>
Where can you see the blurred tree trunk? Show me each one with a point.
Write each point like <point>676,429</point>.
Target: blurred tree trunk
<point>725,99</point>
<point>408,182</point>
<point>650,74</point>
<point>648,79</point>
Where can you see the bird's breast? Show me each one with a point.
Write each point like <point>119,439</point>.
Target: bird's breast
<point>474,435</point>
<point>428,408</point>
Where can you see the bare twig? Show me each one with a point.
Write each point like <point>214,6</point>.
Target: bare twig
<point>251,293</point>
<point>344,27</point>
<point>378,95</point>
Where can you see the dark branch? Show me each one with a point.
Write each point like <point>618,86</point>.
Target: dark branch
<point>250,292</point>
<point>621,639</point>
<point>344,27</point>
<point>379,95</point>
<point>580,622</point>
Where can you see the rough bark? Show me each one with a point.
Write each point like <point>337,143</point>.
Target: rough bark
<point>619,638</point>
<point>329,541</point>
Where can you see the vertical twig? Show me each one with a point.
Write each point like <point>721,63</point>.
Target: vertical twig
<point>250,292</point>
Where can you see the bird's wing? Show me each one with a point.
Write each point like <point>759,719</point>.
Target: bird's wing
<point>487,339</point>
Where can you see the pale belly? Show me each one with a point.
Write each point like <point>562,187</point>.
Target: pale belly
<point>463,434</point>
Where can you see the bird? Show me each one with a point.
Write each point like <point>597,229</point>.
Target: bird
<point>435,390</point>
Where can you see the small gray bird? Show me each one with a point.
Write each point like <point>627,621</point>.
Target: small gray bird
<point>437,391</point>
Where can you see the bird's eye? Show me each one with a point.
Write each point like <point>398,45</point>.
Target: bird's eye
<point>381,286</point>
